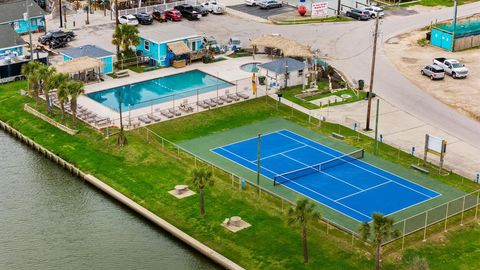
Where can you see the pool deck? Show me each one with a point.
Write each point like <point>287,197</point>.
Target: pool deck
<point>228,70</point>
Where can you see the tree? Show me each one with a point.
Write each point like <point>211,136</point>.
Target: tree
<point>382,230</point>
<point>62,92</point>
<point>40,76</point>
<point>74,89</point>
<point>53,81</point>
<point>28,70</point>
<point>126,36</point>
<point>301,215</point>
<point>201,177</point>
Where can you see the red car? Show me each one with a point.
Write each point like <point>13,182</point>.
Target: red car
<point>173,15</point>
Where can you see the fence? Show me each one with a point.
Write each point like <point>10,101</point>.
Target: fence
<point>133,61</point>
<point>442,213</point>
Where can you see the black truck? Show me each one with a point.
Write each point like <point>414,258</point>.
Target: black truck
<point>58,35</point>
<point>188,12</point>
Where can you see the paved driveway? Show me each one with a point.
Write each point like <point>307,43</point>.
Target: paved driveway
<point>262,13</point>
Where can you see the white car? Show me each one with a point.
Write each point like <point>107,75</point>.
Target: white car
<point>252,2</point>
<point>214,7</point>
<point>128,19</point>
<point>375,11</point>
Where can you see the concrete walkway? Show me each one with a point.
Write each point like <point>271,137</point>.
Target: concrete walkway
<point>401,130</point>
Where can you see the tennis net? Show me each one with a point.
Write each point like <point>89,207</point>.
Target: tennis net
<point>292,175</point>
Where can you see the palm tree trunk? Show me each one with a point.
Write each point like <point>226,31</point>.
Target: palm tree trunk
<point>305,244</point>
<point>202,203</point>
<point>74,110</point>
<point>378,256</point>
<point>62,107</point>
<point>47,97</point>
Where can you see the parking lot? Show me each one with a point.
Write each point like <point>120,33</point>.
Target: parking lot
<point>262,13</point>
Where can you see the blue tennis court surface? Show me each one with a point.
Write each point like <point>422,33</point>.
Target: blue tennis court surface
<point>352,186</point>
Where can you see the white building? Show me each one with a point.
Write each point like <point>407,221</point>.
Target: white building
<point>284,71</point>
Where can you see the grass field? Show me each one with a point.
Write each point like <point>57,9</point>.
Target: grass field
<point>145,172</point>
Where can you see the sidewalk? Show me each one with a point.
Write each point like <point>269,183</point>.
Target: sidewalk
<point>403,131</point>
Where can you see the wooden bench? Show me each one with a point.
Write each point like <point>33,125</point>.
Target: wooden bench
<point>338,136</point>
<point>420,169</point>
<point>122,73</point>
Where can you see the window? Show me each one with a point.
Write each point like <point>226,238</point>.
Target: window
<point>193,45</point>
<point>146,45</point>
<point>300,72</point>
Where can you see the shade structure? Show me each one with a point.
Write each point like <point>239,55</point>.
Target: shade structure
<point>78,65</point>
<point>288,47</point>
<point>179,48</point>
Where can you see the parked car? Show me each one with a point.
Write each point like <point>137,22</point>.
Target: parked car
<point>128,19</point>
<point>452,67</point>
<point>159,15</point>
<point>234,43</point>
<point>375,11</point>
<point>435,72</point>
<point>200,9</point>
<point>268,4</point>
<point>58,34</point>
<point>173,15</point>
<point>252,2</point>
<point>188,12</point>
<point>144,18</point>
<point>214,7</point>
<point>358,14</point>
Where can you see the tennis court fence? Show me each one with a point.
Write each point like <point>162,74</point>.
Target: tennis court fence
<point>458,211</point>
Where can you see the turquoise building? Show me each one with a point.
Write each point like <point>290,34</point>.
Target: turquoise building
<point>10,41</point>
<point>456,37</point>
<point>91,51</point>
<point>163,45</point>
<point>12,14</point>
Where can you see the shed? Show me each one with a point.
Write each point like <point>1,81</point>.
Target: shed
<point>456,37</point>
<point>11,13</point>
<point>91,51</point>
<point>83,68</point>
<point>167,45</point>
<point>10,41</point>
<point>284,72</point>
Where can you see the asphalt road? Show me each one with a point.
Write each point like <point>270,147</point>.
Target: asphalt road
<point>347,46</point>
<point>262,13</point>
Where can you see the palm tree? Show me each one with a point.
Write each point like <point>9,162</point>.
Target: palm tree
<point>40,76</point>
<point>74,89</point>
<point>28,70</point>
<point>301,215</point>
<point>62,93</point>
<point>53,81</point>
<point>382,230</point>
<point>126,36</point>
<point>201,177</point>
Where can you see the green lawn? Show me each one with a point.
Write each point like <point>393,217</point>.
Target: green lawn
<point>145,172</point>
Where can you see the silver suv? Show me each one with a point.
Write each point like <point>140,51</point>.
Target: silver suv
<point>435,72</point>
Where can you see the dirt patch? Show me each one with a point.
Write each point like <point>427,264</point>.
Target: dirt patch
<point>461,94</point>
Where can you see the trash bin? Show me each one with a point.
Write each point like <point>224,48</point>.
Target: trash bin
<point>361,84</point>
<point>261,80</point>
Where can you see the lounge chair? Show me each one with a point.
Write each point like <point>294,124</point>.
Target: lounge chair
<point>144,119</point>
<point>175,111</point>
<point>103,121</point>
<point>154,117</point>
<point>218,101</point>
<point>234,97</point>
<point>203,104</point>
<point>243,95</point>
<point>210,103</point>
<point>186,107</point>
<point>226,99</point>
<point>166,113</point>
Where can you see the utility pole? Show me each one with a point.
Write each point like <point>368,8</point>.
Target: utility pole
<point>88,12</point>
<point>60,10</point>
<point>454,21</point>
<point>116,23</point>
<point>26,17</point>
<point>372,73</point>
<point>339,8</point>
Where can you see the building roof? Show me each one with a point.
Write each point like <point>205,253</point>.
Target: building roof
<point>9,38</point>
<point>289,48</point>
<point>87,50</point>
<point>168,33</point>
<point>78,65</point>
<point>178,48</point>
<point>13,11</point>
<point>284,64</point>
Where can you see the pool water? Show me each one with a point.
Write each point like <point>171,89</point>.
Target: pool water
<point>250,67</point>
<point>159,90</point>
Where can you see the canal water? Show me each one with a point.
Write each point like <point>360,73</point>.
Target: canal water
<point>52,220</point>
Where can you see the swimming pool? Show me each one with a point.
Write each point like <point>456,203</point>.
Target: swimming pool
<point>250,67</point>
<point>159,90</point>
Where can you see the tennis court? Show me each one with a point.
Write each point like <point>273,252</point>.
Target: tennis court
<point>340,181</point>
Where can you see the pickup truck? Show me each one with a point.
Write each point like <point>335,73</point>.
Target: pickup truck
<point>452,67</point>
<point>188,12</point>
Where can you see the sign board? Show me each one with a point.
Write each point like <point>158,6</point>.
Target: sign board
<point>319,9</point>
<point>436,145</point>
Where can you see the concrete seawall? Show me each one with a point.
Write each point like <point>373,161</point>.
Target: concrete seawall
<point>197,245</point>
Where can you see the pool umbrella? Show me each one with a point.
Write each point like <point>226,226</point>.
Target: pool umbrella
<point>254,84</point>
